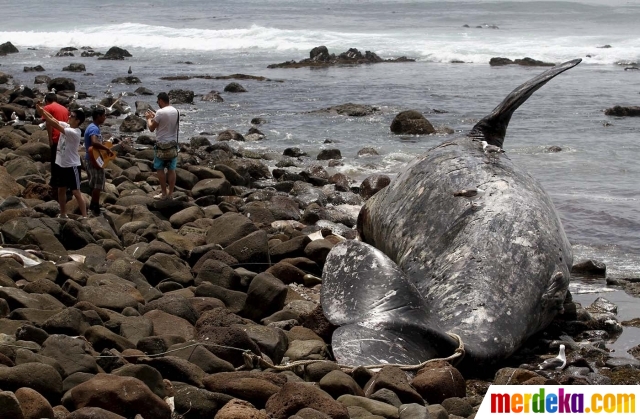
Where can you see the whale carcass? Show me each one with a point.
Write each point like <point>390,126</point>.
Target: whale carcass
<point>429,263</point>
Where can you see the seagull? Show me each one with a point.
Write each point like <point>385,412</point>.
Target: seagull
<point>491,150</point>
<point>53,90</point>
<point>470,194</point>
<point>15,120</point>
<point>110,109</point>
<point>75,96</point>
<point>557,363</point>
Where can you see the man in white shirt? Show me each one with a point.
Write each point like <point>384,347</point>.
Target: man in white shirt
<point>165,122</point>
<point>67,158</point>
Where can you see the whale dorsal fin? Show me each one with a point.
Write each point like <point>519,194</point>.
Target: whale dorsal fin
<point>493,127</point>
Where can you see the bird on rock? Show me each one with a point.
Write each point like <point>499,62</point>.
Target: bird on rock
<point>557,363</point>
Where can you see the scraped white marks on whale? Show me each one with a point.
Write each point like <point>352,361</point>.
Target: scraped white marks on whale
<point>522,242</point>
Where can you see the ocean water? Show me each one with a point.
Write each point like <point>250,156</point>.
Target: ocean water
<point>594,182</point>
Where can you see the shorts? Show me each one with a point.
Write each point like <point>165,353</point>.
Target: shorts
<point>96,177</point>
<point>159,164</point>
<point>68,177</point>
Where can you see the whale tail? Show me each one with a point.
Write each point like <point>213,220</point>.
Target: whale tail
<point>493,127</point>
<point>382,317</point>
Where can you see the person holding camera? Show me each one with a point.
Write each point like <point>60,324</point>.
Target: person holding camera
<point>67,158</point>
<point>165,122</point>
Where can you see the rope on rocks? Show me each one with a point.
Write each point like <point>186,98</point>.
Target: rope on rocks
<point>252,360</point>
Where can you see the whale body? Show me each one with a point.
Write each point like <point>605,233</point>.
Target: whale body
<point>430,264</point>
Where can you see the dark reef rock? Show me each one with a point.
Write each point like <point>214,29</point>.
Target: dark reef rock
<point>623,111</point>
<point>320,57</point>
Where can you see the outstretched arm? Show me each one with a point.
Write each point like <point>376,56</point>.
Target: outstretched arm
<point>49,118</point>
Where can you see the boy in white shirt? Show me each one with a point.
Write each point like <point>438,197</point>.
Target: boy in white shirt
<point>67,158</point>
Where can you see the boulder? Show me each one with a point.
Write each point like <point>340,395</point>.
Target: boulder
<point>293,397</point>
<point>115,53</point>
<point>439,381</point>
<point>125,396</point>
<point>411,123</point>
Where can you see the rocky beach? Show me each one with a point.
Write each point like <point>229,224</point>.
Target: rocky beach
<point>207,305</point>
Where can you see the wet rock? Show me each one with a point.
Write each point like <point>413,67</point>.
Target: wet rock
<point>229,135</point>
<point>234,87</point>
<point>372,184</point>
<point>126,80</point>
<point>623,111</point>
<point>411,123</point>
<point>75,67</point>
<point>329,154</point>
<point>115,53</point>
<point>8,48</point>
<point>320,57</point>
<point>590,267</point>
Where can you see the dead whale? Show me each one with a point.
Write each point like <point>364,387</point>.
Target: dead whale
<point>429,264</point>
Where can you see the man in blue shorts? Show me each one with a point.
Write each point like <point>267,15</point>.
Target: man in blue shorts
<point>165,122</point>
<point>67,158</point>
<point>93,137</point>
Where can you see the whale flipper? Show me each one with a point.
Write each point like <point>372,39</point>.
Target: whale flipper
<point>493,127</point>
<point>382,315</point>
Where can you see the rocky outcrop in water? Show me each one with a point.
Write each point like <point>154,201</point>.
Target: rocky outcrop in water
<point>411,123</point>
<point>526,61</point>
<point>623,111</point>
<point>320,57</point>
<point>115,53</point>
<point>8,48</point>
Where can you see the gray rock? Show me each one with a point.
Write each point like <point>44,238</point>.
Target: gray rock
<point>457,406</point>
<point>266,295</point>
<point>72,354</point>
<point>145,373</point>
<point>372,406</point>
<point>337,383</point>
<point>413,411</point>
<point>199,402</point>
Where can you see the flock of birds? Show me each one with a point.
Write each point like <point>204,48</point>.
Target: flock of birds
<point>15,120</point>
